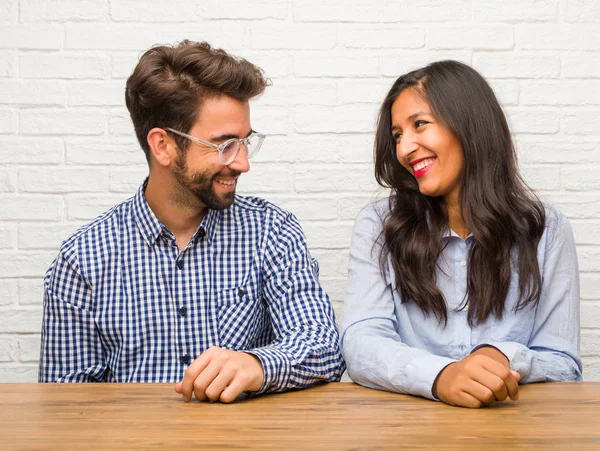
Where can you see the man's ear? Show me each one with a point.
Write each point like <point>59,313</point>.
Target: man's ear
<point>162,147</point>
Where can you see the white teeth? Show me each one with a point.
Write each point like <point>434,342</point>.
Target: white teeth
<point>226,182</point>
<point>423,164</point>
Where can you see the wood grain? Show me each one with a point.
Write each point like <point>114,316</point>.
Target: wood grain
<point>340,416</point>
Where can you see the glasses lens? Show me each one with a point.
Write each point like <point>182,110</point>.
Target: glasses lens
<point>230,150</point>
<point>254,142</point>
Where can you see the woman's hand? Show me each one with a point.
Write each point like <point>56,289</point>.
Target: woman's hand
<point>482,377</point>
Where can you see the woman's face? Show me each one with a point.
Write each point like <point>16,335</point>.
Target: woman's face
<point>426,148</point>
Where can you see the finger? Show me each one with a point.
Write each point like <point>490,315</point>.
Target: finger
<point>219,384</point>
<point>493,382</point>
<point>204,379</point>
<point>468,400</point>
<point>178,387</point>
<point>192,372</point>
<point>237,386</point>
<point>480,392</point>
<point>505,374</point>
<point>516,375</point>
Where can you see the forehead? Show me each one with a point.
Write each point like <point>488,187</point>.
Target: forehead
<point>408,103</point>
<point>223,114</point>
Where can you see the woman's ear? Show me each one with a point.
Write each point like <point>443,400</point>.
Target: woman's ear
<point>162,147</point>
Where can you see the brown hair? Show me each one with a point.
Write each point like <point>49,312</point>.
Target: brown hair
<point>170,83</point>
<point>504,216</point>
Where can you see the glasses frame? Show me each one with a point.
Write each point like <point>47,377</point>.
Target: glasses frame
<point>221,147</point>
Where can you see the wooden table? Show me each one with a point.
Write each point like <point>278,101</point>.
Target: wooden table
<point>334,416</point>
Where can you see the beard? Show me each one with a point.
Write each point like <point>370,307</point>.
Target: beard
<point>190,191</point>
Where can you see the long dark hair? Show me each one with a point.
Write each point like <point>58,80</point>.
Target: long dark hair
<point>504,216</point>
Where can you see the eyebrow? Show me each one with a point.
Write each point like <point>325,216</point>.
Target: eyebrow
<point>227,136</point>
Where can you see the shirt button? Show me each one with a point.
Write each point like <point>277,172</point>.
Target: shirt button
<point>241,293</point>
<point>463,263</point>
<point>180,264</point>
<point>185,359</point>
<point>182,311</point>
<point>201,232</point>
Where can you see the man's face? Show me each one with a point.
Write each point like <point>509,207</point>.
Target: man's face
<point>199,176</point>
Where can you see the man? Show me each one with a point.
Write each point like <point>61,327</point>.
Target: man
<point>186,282</point>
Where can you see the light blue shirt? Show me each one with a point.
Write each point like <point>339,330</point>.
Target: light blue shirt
<point>390,345</point>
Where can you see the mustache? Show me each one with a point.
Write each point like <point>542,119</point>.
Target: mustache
<point>201,177</point>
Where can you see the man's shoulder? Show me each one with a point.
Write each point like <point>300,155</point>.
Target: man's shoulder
<point>256,206</point>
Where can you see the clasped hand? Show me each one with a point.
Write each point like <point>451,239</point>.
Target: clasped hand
<point>221,375</point>
<point>482,377</point>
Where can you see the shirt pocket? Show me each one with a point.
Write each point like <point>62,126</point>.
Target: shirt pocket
<point>241,316</point>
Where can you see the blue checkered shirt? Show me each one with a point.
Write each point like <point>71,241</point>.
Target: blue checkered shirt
<point>123,304</point>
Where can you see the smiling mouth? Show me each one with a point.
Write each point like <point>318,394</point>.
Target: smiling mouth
<point>226,182</point>
<point>421,167</point>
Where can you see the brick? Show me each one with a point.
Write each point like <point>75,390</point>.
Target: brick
<point>380,38</point>
<point>582,11</point>
<point>21,150</point>
<point>271,120</point>
<point>118,36</point>
<point>580,122</point>
<point>558,151</point>
<point>541,177</point>
<point>329,261</point>
<point>101,93</point>
<point>506,91</point>
<point>8,182</point>
<point>8,11</point>
<point>88,207</point>
<point>502,65</point>
<point>63,180</point>
<point>335,288</point>
<point>348,11</point>
<point>555,93</point>
<point>589,258</point>
<point>31,37</point>
<point>23,264</point>
<point>62,122</point>
<point>341,119</point>
<point>31,291</point>
<point>319,179</point>
<point>104,150</point>
<point>309,208</point>
<point>584,66</point>
<point>7,63</point>
<point>586,232</point>
<point>8,236</point>
<point>119,123</point>
<point>292,36</point>
<point>127,180</point>
<point>491,37</point>
<point>591,369</point>
<point>590,343</point>
<point>556,37</point>
<point>265,178</point>
<point>403,62</point>
<point>515,10</point>
<point>274,63</point>
<point>589,286</point>
<point>241,9</point>
<point>300,92</point>
<point>575,205</point>
<point>351,206</point>
<point>122,66</point>
<point>590,314</point>
<point>18,374</point>
<point>64,66</point>
<point>363,91</point>
<point>8,348</point>
<point>335,66</point>
<point>327,235</point>
<point>62,10</point>
<point>425,11</point>
<point>29,348</point>
<point>155,11</point>
<point>580,178</point>
<point>533,121</point>
<point>24,207</point>
<point>26,92</point>
<point>45,236</point>
<point>8,121</point>
<point>9,293</point>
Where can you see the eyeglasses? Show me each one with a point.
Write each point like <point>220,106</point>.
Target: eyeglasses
<point>230,148</point>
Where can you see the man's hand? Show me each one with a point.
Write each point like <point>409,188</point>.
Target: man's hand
<point>482,377</point>
<point>221,375</point>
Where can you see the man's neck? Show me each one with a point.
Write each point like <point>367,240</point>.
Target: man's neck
<point>181,220</point>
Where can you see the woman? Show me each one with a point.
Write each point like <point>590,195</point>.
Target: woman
<point>462,284</point>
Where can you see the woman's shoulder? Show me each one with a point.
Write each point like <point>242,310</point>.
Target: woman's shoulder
<point>556,226</point>
<point>377,210</point>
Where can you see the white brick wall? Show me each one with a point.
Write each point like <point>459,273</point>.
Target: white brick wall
<point>68,153</point>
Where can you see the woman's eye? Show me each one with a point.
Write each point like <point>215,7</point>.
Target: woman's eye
<point>420,123</point>
<point>397,136</point>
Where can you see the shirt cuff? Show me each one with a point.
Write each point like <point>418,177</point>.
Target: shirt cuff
<point>422,372</point>
<point>276,367</point>
<point>508,348</point>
